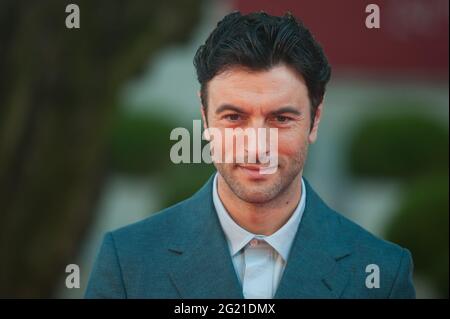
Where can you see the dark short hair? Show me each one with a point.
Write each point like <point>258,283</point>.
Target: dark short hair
<point>260,41</point>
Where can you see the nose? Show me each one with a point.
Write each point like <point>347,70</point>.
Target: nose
<point>257,143</point>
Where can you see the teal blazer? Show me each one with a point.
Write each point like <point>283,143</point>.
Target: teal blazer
<point>182,252</point>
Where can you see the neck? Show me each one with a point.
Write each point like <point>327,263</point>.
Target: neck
<point>265,218</point>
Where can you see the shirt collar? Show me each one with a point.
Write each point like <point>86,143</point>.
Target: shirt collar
<point>238,237</point>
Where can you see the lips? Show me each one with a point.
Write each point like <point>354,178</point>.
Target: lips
<point>257,171</point>
<point>252,167</point>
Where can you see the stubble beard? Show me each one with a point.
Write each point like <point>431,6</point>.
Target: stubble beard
<point>265,191</point>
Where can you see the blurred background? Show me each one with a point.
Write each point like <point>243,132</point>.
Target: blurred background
<point>85,118</point>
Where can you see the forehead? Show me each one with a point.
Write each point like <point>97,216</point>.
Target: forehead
<point>278,86</point>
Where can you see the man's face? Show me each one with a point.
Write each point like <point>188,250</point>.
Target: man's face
<point>277,98</point>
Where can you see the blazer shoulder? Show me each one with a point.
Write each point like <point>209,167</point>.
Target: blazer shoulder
<point>127,252</point>
<point>393,261</point>
<point>364,241</point>
<point>154,230</point>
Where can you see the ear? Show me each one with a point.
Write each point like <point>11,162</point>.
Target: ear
<point>313,134</point>
<point>205,123</point>
<point>202,111</point>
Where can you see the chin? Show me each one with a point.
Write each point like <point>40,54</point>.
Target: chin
<point>255,198</point>
<point>255,194</point>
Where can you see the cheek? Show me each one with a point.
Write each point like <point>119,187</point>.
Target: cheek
<point>223,146</point>
<point>292,145</point>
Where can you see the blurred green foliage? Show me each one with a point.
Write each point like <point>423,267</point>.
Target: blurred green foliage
<point>399,146</point>
<point>421,224</point>
<point>140,146</point>
<point>182,181</point>
<point>412,148</point>
<point>58,92</point>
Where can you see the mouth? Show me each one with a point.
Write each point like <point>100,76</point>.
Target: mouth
<point>257,171</point>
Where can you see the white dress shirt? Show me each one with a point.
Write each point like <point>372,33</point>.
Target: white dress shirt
<point>259,260</point>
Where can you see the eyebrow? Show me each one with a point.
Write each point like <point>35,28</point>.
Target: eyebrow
<point>237,109</point>
<point>229,107</point>
<point>287,109</point>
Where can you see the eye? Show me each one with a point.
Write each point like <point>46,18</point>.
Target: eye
<point>233,117</point>
<point>282,119</point>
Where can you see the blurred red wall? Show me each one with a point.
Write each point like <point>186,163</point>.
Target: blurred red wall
<point>413,34</point>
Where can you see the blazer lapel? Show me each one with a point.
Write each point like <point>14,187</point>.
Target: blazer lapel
<point>314,268</point>
<point>202,267</point>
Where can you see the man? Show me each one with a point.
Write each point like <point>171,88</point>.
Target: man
<point>246,234</point>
